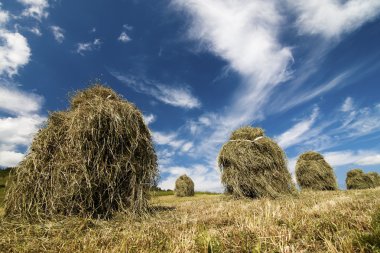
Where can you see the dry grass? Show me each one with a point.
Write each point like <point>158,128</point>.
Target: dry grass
<point>330,221</point>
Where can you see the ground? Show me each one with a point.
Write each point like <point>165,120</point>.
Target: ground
<point>310,222</point>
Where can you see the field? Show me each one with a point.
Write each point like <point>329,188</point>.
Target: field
<point>336,221</point>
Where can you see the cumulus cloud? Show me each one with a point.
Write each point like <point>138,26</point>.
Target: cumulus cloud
<point>88,46</point>
<point>16,131</point>
<point>124,37</point>
<point>4,17</point>
<point>58,33</point>
<point>332,18</point>
<point>175,96</point>
<point>10,158</point>
<point>14,52</point>
<point>17,102</point>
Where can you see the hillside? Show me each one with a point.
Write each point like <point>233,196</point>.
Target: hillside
<point>311,222</point>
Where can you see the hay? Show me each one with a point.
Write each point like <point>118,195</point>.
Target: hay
<point>254,166</point>
<point>92,160</point>
<point>375,178</point>
<point>184,186</point>
<point>357,179</point>
<point>314,173</point>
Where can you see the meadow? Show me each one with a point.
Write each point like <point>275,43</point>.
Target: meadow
<point>329,221</point>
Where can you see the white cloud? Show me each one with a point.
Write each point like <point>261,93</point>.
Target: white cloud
<point>348,105</point>
<point>175,96</point>
<point>169,139</point>
<point>124,37</point>
<point>36,31</point>
<point>296,134</point>
<point>35,8</point>
<point>58,33</point>
<point>19,130</point>
<point>149,119</point>
<point>17,102</point>
<point>332,18</point>
<point>10,158</point>
<point>349,157</point>
<point>4,17</point>
<point>127,27</point>
<point>204,179</point>
<point>14,52</point>
<point>88,47</point>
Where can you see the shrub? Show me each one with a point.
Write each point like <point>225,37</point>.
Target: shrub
<point>314,173</point>
<point>184,186</point>
<point>375,178</point>
<point>92,160</point>
<point>253,165</point>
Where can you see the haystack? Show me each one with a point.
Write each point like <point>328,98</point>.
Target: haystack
<point>92,160</point>
<point>253,165</point>
<point>184,186</point>
<point>357,179</point>
<point>314,173</point>
<point>375,178</point>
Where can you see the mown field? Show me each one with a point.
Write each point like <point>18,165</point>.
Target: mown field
<point>338,221</point>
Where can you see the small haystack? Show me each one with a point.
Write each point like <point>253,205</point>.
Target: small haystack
<point>253,165</point>
<point>314,173</point>
<point>92,160</point>
<point>184,186</point>
<point>357,179</point>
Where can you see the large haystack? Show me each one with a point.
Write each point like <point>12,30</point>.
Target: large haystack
<point>184,186</point>
<point>91,160</point>
<point>253,165</point>
<point>357,179</point>
<point>314,173</point>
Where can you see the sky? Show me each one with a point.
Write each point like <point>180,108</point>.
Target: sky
<point>305,71</point>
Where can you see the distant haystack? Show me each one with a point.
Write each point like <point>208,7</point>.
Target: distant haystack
<point>92,160</point>
<point>357,179</point>
<point>375,178</point>
<point>254,166</point>
<point>184,186</point>
<point>314,173</point>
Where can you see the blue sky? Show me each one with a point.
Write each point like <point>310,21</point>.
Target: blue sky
<point>306,71</point>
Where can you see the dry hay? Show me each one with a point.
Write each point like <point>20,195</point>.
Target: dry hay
<point>184,186</point>
<point>253,165</point>
<point>92,160</point>
<point>357,179</point>
<point>375,178</point>
<point>314,173</point>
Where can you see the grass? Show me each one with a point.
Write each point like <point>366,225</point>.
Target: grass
<point>336,221</point>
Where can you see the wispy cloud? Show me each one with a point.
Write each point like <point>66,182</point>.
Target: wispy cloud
<point>149,118</point>
<point>88,46</point>
<point>179,96</point>
<point>331,18</point>
<point>296,134</point>
<point>35,8</point>
<point>58,33</point>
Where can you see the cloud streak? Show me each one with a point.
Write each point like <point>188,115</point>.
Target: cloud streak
<point>180,96</point>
